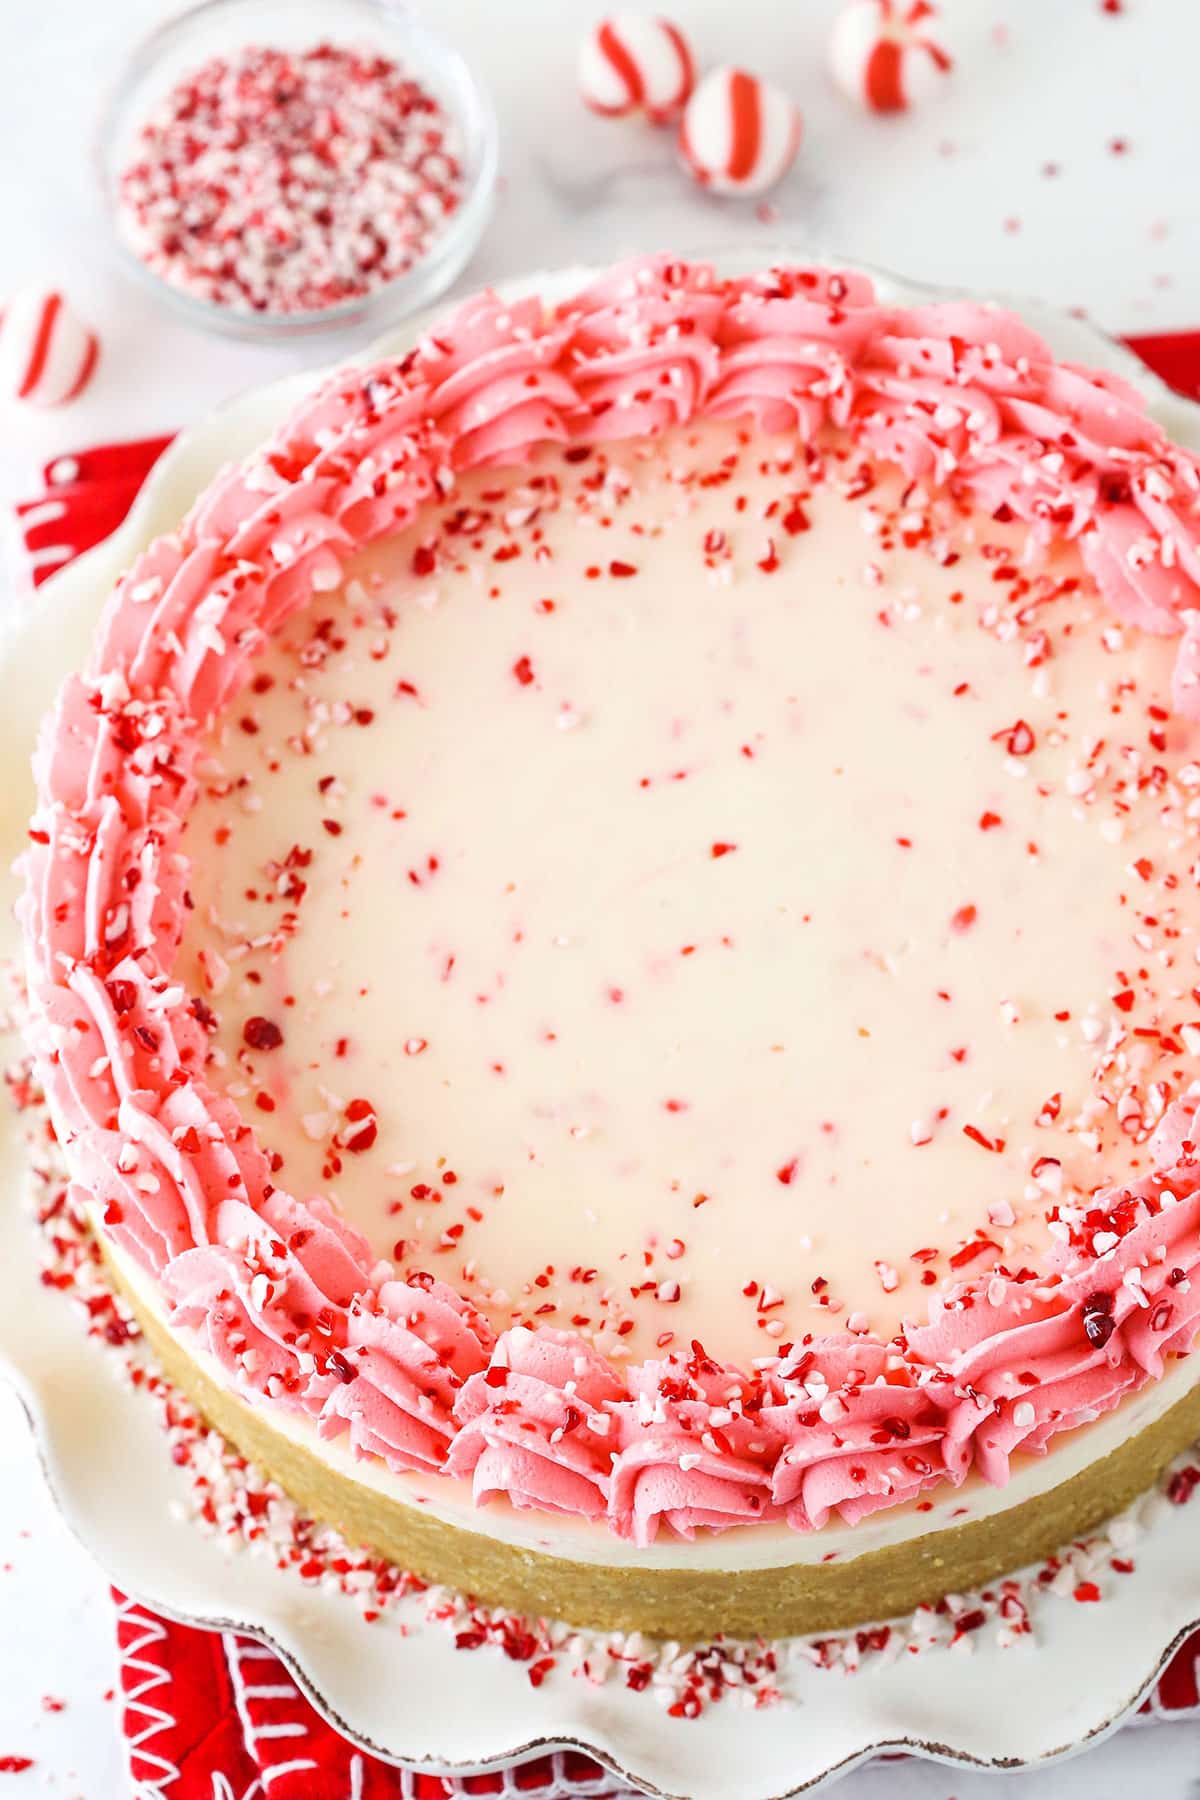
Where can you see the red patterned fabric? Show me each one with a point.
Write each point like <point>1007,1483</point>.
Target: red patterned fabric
<point>85,496</point>
<point>215,1716</point>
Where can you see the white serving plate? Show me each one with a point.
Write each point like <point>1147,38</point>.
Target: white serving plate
<point>412,1697</point>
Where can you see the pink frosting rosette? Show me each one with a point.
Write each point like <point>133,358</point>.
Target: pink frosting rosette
<point>97,887</point>
<point>789,341</point>
<point>838,307</point>
<point>122,1145</point>
<point>358,462</point>
<point>691,1455</point>
<point>862,1430</point>
<point>642,355</point>
<point>537,1424</point>
<point>1017,1380</point>
<point>783,384</point>
<point>268,1293</point>
<point>409,1348</point>
<point>496,390</point>
<point>1029,1359</point>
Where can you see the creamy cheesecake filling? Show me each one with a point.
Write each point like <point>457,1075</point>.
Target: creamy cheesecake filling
<point>693,892</point>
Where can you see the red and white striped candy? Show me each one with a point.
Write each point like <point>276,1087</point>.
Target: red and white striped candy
<point>882,54</point>
<point>739,134</point>
<point>633,64</point>
<point>47,353</point>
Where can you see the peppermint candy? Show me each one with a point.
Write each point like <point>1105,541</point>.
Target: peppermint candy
<point>739,134</point>
<point>632,64</point>
<point>882,55</point>
<point>47,354</point>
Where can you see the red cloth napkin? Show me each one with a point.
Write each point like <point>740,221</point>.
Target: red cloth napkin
<point>215,1716</point>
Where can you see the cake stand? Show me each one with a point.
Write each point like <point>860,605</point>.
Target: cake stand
<point>410,1695</point>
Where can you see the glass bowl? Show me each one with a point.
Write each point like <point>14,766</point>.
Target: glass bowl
<point>219,27</point>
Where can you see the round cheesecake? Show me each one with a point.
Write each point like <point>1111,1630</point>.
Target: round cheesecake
<point>608,940</point>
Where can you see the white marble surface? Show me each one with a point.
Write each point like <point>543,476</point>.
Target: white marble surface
<point>961,192</point>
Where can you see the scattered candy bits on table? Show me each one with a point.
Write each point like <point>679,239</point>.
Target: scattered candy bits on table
<point>232,1501</point>
<point>276,182</point>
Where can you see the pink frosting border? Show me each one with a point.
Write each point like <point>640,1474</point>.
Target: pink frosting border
<point>282,1292</point>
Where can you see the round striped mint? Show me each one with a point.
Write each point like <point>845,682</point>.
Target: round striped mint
<point>739,134</point>
<point>882,55</point>
<point>47,354</point>
<point>630,63</point>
